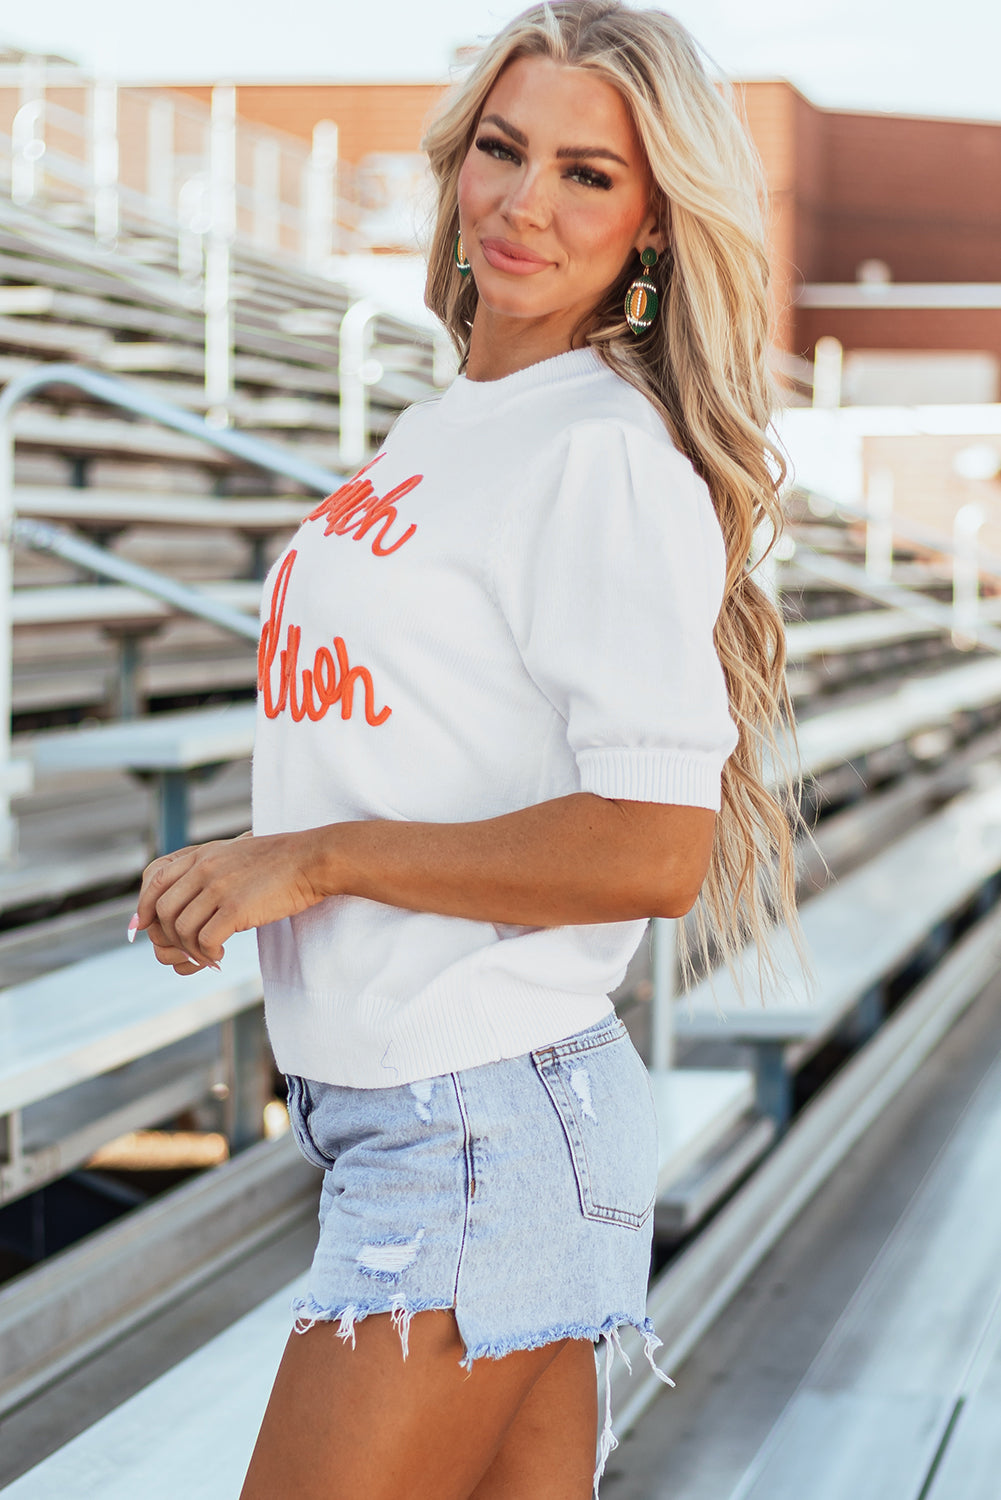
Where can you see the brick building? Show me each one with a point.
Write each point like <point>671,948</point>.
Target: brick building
<point>886,229</point>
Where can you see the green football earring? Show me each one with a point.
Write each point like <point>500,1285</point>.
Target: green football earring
<point>462,265</point>
<point>642,302</point>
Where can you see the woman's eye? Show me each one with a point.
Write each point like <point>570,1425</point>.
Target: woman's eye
<point>590,178</point>
<point>496,149</point>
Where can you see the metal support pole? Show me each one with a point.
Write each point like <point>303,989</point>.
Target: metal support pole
<point>222,224</point>
<point>966,575</point>
<point>773,1083</point>
<point>104,161</point>
<point>827,371</point>
<point>321,195</point>
<point>357,370</point>
<point>171,811</point>
<point>250,1079</point>
<point>664,962</point>
<point>879,526</point>
<point>129,663</point>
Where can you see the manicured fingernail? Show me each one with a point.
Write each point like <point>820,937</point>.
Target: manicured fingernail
<point>133,927</point>
<point>203,963</point>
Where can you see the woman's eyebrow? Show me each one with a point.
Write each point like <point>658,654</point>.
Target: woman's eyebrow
<point>565,153</point>
<point>518,136</point>
<point>577,152</point>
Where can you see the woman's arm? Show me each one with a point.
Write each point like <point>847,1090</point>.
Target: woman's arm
<point>574,859</point>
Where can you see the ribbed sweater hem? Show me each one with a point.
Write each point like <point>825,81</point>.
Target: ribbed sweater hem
<point>690,778</point>
<point>366,1042</point>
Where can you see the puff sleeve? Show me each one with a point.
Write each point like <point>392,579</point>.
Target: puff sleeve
<point>611,577</point>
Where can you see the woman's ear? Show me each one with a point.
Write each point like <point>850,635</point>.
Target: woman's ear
<point>652,233</point>
<point>655,231</point>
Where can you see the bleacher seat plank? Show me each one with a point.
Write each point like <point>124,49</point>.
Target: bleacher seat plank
<point>106,508</point>
<point>80,1021</point>
<point>845,734</point>
<point>876,1404</point>
<point>86,434</point>
<point>854,632</point>
<point>695,1108</point>
<point>190,1433</point>
<point>859,929</point>
<point>164,742</point>
<point>116,604</point>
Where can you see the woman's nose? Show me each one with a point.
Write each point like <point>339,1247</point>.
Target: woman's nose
<point>529,202</point>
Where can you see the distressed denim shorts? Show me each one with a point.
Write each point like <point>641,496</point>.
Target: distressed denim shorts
<point>518,1194</point>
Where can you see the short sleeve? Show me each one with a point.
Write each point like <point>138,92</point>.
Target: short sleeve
<point>611,577</point>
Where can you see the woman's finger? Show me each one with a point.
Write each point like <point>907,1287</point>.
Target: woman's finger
<point>183,909</point>
<point>176,958</point>
<point>183,913</point>
<point>159,877</point>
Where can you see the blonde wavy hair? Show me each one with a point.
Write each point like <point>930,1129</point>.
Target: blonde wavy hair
<point>704,366</point>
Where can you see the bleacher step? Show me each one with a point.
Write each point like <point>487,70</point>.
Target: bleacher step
<point>89,1296</point>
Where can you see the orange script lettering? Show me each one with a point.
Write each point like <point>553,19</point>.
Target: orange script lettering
<point>310,693</point>
<point>356,508</point>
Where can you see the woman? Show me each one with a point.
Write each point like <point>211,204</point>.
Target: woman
<point>513,682</point>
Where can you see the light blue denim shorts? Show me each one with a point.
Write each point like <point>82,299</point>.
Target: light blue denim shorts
<point>519,1194</point>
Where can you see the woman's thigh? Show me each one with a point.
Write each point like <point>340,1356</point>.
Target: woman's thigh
<point>548,1451</point>
<point>344,1422</point>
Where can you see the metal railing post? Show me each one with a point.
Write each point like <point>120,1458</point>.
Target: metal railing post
<point>27,131</point>
<point>357,370</point>
<point>27,150</point>
<point>879,525</point>
<point>966,575</point>
<point>827,373</point>
<point>321,195</point>
<point>222,225</point>
<point>104,161</point>
<point>664,965</point>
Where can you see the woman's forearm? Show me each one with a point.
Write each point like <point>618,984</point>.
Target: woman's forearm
<point>574,859</point>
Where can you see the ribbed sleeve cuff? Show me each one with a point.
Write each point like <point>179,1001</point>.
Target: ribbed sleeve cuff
<point>688,777</point>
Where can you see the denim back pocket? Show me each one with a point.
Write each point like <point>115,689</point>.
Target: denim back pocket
<point>601,1092</point>
<point>300,1107</point>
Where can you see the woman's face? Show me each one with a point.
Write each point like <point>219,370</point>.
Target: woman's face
<point>554,194</point>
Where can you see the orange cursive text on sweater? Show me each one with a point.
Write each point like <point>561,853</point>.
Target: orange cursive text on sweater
<point>356,508</point>
<point>310,693</point>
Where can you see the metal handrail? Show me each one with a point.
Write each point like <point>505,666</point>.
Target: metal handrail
<point>42,536</point>
<point>118,393</point>
<point>115,392</point>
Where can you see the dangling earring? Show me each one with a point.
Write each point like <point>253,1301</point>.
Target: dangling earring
<point>462,265</point>
<point>642,302</point>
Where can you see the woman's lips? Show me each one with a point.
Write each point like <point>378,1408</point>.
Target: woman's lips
<point>504,256</point>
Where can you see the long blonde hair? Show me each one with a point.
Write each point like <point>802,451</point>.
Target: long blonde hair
<point>704,365</point>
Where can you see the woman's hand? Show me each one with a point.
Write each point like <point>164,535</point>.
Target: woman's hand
<point>193,900</point>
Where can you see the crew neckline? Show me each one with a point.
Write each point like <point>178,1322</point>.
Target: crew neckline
<point>467,397</point>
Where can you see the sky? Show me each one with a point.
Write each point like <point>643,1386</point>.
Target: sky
<point>908,56</point>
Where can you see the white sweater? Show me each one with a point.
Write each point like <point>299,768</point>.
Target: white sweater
<point>513,601</point>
